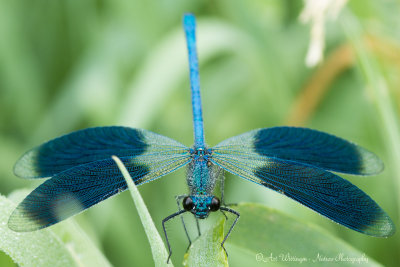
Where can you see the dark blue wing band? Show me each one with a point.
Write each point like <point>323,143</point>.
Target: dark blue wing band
<point>322,191</point>
<point>305,146</point>
<point>327,194</point>
<point>89,145</point>
<point>81,187</point>
<point>83,173</point>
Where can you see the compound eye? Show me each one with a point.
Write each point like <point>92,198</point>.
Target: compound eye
<point>215,204</point>
<point>187,203</point>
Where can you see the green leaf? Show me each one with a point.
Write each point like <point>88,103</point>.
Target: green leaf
<point>158,249</point>
<point>40,248</point>
<point>207,250</point>
<point>63,245</point>
<point>79,245</point>
<point>265,236</point>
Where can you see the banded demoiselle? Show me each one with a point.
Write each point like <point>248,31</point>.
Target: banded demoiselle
<point>296,162</point>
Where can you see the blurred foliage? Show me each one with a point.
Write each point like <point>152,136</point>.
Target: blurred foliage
<point>67,65</point>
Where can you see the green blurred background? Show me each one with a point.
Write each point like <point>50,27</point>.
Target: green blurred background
<point>68,65</point>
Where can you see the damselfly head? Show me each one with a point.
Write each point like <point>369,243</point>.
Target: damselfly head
<point>200,206</point>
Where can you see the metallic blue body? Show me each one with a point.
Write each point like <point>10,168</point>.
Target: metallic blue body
<point>297,162</point>
<point>189,24</point>
<point>202,176</point>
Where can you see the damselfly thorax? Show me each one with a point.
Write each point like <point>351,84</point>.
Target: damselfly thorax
<point>202,176</point>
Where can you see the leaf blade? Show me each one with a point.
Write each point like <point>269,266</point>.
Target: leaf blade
<point>207,250</point>
<point>158,249</point>
<point>269,232</point>
<point>31,249</point>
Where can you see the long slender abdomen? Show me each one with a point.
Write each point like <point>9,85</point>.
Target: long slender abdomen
<point>189,23</point>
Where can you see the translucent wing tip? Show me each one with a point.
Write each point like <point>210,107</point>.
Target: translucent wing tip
<point>20,221</point>
<point>382,226</point>
<point>41,209</point>
<point>25,165</point>
<point>371,164</point>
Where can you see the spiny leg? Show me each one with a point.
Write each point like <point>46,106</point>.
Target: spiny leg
<point>233,225</point>
<point>198,226</point>
<point>178,198</point>
<point>165,231</point>
<point>223,213</point>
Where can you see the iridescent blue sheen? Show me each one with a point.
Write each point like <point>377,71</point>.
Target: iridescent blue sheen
<point>83,173</point>
<point>296,162</point>
<point>189,22</point>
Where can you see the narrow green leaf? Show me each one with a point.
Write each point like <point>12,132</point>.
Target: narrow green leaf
<point>207,250</point>
<point>266,236</point>
<point>51,245</point>
<point>79,245</point>
<point>158,249</point>
<point>40,248</point>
